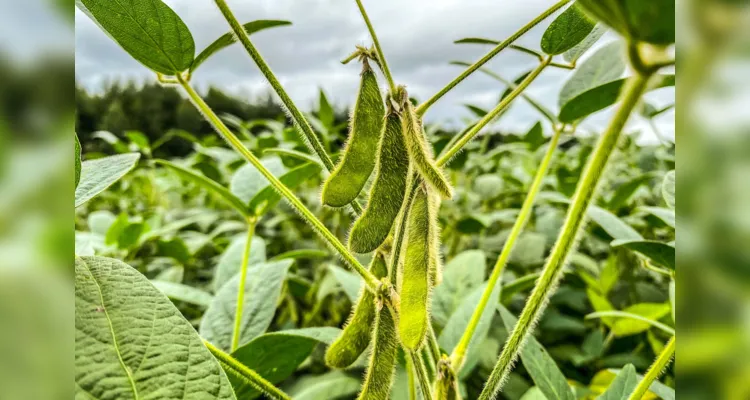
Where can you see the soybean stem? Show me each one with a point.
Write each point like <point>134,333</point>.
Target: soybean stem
<point>459,353</point>
<point>422,109</point>
<point>504,103</point>
<point>246,374</point>
<point>296,203</point>
<point>635,88</point>
<point>656,369</point>
<point>421,373</point>
<point>381,56</point>
<point>251,222</point>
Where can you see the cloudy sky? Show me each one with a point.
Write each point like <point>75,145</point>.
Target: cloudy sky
<point>417,38</point>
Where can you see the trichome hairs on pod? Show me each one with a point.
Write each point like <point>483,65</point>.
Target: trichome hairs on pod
<point>381,366</point>
<point>446,386</point>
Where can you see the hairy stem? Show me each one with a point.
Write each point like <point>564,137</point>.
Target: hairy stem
<point>500,47</point>
<point>400,229</point>
<point>656,369</point>
<point>305,213</point>
<point>421,373</point>
<point>299,120</point>
<point>246,374</point>
<point>492,114</point>
<point>381,56</point>
<point>634,89</point>
<point>241,289</point>
<point>459,353</point>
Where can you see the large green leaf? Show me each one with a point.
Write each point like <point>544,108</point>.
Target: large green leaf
<point>581,48</point>
<point>148,30</point>
<point>651,21</point>
<point>331,386</point>
<point>229,38</point>
<point>276,355</point>
<point>461,275</point>
<point>566,31</point>
<point>180,292</point>
<point>206,183</point>
<point>132,343</point>
<point>459,320</point>
<point>623,386</point>
<point>262,291</point>
<point>268,197</point>
<point>77,160</point>
<point>658,252</point>
<point>540,365</point>
<point>97,175</point>
<point>231,259</point>
<point>248,181</point>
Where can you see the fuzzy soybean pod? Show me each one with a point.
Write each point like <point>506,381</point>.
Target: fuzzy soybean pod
<point>358,159</point>
<point>420,151</point>
<point>382,363</point>
<point>421,257</point>
<point>387,192</point>
<point>356,335</point>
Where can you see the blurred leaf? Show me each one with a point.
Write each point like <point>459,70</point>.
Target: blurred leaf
<point>567,30</point>
<point>461,275</point>
<point>623,385</point>
<point>535,137</point>
<point>658,252</point>
<point>301,254</point>
<point>529,249</point>
<point>180,292</point>
<point>488,186</point>
<point>668,189</point>
<point>326,114</point>
<point>275,356</point>
<point>534,394</point>
<point>349,281</point>
<point>665,214</point>
<point>539,364</point>
<point>651,311</point>
<point>519,285</point>
<point>174,248</point>
<point>293,154</point>
<point>148,30</point>
<point>211,186</point>
<point>97,175</point>
<point>601,304</point>
<point>125,329</point>
<point>268,197</point>
<point>625,191</point>
<point>477,111</point>
<point>615,227</point>
<point>581,48</point>
<point>248,181</point>
<point>229,38</point>
<point>651,21</point>
<point>476,40</point>
<point>77,161</point>
<point>262,291</point>
<point>331,386</point>
<point>672,299</point>
<point>229,263</point>
<point>99,222</point>
<point>472,224</point>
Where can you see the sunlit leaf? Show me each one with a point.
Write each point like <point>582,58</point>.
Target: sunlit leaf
<point>623,386</point>
<point>567,30</point>
<point>658,252</point>
<point>97,175</point>
<point>461,275</point>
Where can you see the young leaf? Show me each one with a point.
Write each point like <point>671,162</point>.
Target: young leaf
<point>623,385</point>
<point>213,187</point>
<point>180,292</point>
<point>229,38</point>
<point>581,48</point>
<point>668,189</point>
<point>77,161</point>
<point>262,291</point>
<point>275,356</point>
<point>97,175</point>
<point>540,365</point>
<point>229,263</point>
<point>148,30</point>
<point>126,329</point>
<point>659,252</point>
<point>268,197</point>
<point>333,385</point>
<point>566,31</point>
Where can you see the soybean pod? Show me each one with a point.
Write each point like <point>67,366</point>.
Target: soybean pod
<point>356,335</point>
<point>387,192</point>
<point>358,159</point>
<point>421,258</point>
<point>382,363</point>
<point>420,152</point>
<point>446,387</point>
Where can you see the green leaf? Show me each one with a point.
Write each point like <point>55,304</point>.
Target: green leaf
<point>476,40</point>
<point>180,292</point>
<point>294,154</point>
<point>326,114</point>
<point>658,252</point>
<point>529,249</point>
<point>581,48</point>
<point>614,226</point>
<point>229,263</point>
<point>665,214</point>
<point>651,311</point>
<point>625,191</point>
<point>212,186</point>
<point>248,182</point>
<point>174,248</point>
<point>97,175</point>
<point>277,355</point>
<point>535,137</point>
<point>126,331</point>
<point>623,386</point>
<point>309,254</point>
<point>514,287</point>
<point>262,291</point>
<point>534,394</point>
<point>459,320</point>
<point>461,275</point>
<point>473,223</point>
<point>229,38</point>
<point>330,386</point>
<point>668,189</point>
<point>77,160</point>
<point>349,281</point>
<point>488,186</point>
<point>540,365</point>
<point>673,299</point>
<point>148,30</point>
<point>566,31</point>
<point>651,21</point>
<point>268,197</point>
